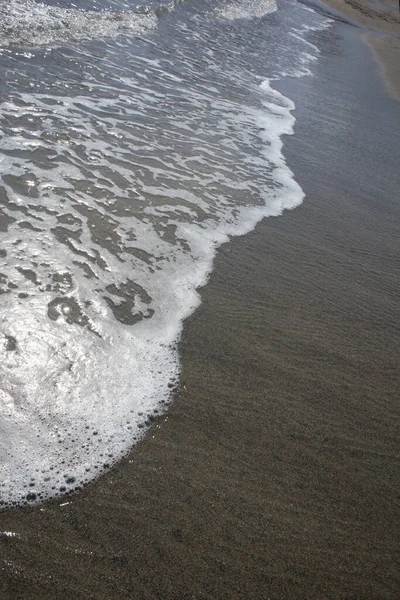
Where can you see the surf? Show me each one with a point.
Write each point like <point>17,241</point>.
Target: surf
<point>125,164</point>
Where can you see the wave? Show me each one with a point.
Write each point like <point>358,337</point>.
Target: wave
<point>115,193</point>
<point>30,23</point>
<point>78,385</point>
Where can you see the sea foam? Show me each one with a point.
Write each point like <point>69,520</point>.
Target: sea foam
<point>116,195</point>
<point>247,9</point>
<point>30,23</point>
<point>78,390</point>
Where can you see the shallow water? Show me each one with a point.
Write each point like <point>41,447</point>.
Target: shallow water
<point>133,142</point>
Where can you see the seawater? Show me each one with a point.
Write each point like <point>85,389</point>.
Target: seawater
<point>134,140</point>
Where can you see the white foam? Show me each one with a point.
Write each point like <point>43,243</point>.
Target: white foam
<point>63,383</point>
<point>9,534</point>
<point>165,186</point>
<point>247,9</point>
<point>26,22</point>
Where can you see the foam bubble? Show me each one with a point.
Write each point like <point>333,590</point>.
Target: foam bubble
<point>30,23</point>
<point>75,372</point>
<point>247,9</point>
<point>115,194</point>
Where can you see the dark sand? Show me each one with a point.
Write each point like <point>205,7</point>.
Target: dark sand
<point>274,474</point>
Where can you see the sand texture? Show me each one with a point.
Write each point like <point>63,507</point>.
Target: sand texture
<point>382,20</point>
<point>274,474</point>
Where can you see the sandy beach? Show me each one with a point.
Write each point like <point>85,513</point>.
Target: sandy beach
<point>274,473</point>
<point>381,21</point>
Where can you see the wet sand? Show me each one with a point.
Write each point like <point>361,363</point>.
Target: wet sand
<point>275,473</point>
<point>381,20</point>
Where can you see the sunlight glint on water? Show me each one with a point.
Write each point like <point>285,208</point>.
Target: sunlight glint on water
<point>132,145</point>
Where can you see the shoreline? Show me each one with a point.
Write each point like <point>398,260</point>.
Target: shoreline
<point>382,34</point>
<point>273,473</point>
